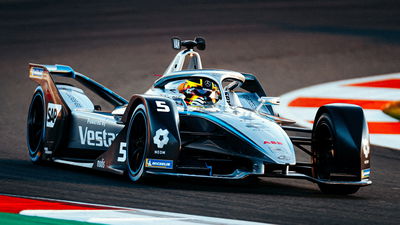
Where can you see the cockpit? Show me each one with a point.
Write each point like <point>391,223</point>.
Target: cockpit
<point>186,82</point>
<point>197,91</point>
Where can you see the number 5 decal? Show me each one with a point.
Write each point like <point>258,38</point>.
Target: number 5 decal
<point>162,106</point>
<point>122,152</point>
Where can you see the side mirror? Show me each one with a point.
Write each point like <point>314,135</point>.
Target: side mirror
<point>270,100</point>
<point>267,101</point>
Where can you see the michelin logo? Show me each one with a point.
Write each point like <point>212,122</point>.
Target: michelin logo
<point>52,112</point>
<point>160,163</point>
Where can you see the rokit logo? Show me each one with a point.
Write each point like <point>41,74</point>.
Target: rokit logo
<point>52,112</point>
<point>95,138</point>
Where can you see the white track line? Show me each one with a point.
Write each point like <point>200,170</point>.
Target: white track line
<point>125,216</point>
<point>136,216</point>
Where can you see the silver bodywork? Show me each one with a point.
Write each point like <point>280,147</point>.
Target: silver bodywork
<point>237,109</point>
<point>244,113</point>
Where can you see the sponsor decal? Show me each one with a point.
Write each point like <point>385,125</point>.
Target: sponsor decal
<point>176,43</point>
<point>53,110</point>
<point>47,151</point>
<point>228,99</point>
<point>284,157</point>
<point>159,152</point>
<point>160,163</point>
<point>256,126</point>
<point>101,163</point>
<point>161,138</point>
<point>273,142</point>
<point>366,150</point>
<point>95,138</point>
<point>365,173</point>
<point>74,100</point>
<point>95,122</point>
<point>37,72</point>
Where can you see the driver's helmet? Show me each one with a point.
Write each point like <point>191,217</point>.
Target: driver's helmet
<point>200,92</point>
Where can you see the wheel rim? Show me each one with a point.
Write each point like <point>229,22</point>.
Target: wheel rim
<point>35,125</point>
<point>326,152</point>
<point>137,143</point>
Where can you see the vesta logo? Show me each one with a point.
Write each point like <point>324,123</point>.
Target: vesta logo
<point>95,138</point>
<point>52,112</point>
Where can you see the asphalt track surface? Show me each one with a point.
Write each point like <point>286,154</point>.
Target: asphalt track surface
<point>288,44</point>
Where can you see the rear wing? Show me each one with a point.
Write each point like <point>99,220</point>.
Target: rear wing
<point>42,74</point>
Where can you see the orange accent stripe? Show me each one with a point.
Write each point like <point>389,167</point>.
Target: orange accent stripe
<point>317,102</point>
<point>382,127</point>
<point>388,83</point>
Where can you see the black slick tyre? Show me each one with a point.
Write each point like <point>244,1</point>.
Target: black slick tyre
<point>137,136</point>
<point>324,139</point>
<point>36,128</point>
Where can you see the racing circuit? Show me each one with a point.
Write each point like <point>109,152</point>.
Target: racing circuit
<point>287,44</point>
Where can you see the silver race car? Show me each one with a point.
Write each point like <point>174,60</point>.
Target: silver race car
<point>193,122</point>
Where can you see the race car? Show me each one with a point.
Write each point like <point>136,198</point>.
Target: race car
<point>193,122</point>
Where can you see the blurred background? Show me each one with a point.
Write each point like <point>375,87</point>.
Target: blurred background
<point>288,44</point>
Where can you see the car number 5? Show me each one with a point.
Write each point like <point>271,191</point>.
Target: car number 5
<point>122,152</point>
<point>162,106</point>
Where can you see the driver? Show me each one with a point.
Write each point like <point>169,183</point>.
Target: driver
<point>203,92</point>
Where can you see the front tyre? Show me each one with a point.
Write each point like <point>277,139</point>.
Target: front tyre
<point>324,163</point>
<point>36,128</point>
<point>137,143</point>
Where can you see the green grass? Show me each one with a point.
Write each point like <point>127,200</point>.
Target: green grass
<point>16,219</point>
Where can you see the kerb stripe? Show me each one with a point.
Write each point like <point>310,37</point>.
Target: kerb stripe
<point>317,102</point>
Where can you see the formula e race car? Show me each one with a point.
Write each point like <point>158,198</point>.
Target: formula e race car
<point>193,122</point>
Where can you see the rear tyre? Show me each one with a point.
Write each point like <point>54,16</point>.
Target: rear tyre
<point>36,128</point>
<point>137,143</point>
<point>324,139</point>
